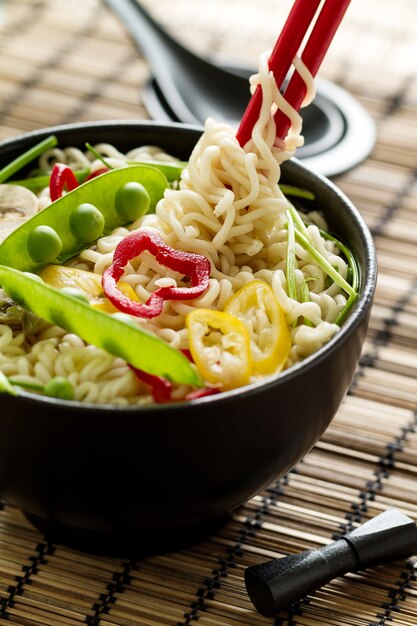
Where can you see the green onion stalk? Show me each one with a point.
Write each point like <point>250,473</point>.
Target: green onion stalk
<point>27,157</point>
<point>302,237</point>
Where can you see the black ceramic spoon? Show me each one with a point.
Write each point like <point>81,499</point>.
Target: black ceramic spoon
<point>194,88</point>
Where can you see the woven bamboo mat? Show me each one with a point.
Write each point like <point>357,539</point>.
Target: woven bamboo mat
<point>71,60</point>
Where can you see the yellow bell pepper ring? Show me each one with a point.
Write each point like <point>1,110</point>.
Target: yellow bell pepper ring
<point>104,304</point>
<point>220,346</point>
<point>257,307</point>
<point>60,277</point>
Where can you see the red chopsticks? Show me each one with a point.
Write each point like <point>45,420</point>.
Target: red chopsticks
<point>286,48</point>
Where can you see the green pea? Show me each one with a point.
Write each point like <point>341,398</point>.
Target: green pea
<point>43,244</point>
<point>86,222</point>
<point>131,201</point>
<point>75,293</point>
<point>59,387</point>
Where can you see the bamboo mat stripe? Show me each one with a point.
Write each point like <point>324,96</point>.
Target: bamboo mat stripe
<point>50,63</point>
<point>67,60</point>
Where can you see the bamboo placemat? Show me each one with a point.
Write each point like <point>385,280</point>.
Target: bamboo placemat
<point>71,60</point>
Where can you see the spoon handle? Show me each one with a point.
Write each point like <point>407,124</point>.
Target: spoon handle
<point>160,49</point>
<point>154,41</point>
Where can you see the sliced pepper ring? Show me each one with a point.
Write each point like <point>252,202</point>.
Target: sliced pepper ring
<point>219,345</point>
<point>62,177</point>
<point>61,276</point>
<point>195,266</point>
<point>257,307</point>
<point>160,388</point>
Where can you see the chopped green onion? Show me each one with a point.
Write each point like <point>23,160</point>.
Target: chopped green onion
<point>6,386</point>
<point>39,171</point>
<point>172,171</point>
<point>354,273</point>
<point>291,259</point>
<point>325,265</point>
<point>37,183</point>
<point>289,190</point>
<point>301,235</point>
<point>57,387</point>
<point>293,217</point>
<point>345,311</point>
<point>349,257</point>
<point>304,291</point>
<point>98,155</point>
<point>25,385</point>
<point>298,222</point>
<point>305,297</point>
<point>27,157</point>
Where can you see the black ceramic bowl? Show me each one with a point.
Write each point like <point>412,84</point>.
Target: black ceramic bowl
<point>160,472</point>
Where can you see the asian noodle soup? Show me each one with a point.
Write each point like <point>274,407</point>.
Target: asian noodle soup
<point>278,284</point>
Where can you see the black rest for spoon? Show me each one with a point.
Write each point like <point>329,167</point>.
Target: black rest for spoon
<point>275,584</point>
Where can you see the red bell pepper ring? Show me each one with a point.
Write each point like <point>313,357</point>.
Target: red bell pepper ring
<point>62,178</point>
<point>194,266</point>
<point>188,354</point>
<point>102,170</point>
<point>160,388</point>
<point>202,393</point>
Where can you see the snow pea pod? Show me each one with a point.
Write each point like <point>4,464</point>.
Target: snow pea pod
<point>171,170</point>
<point>118,337</point>
<point>20,249</point>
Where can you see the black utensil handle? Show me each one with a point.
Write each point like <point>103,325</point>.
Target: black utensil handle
<point>277,583</point>
<point>156,43</point>
<point>280,582</point>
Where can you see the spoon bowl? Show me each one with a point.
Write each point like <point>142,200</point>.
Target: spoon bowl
<point>324,125</point>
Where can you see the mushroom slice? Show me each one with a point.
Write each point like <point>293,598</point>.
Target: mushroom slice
<point>17,204</point>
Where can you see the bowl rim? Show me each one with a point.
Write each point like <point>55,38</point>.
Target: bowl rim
<point>349,326</point>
